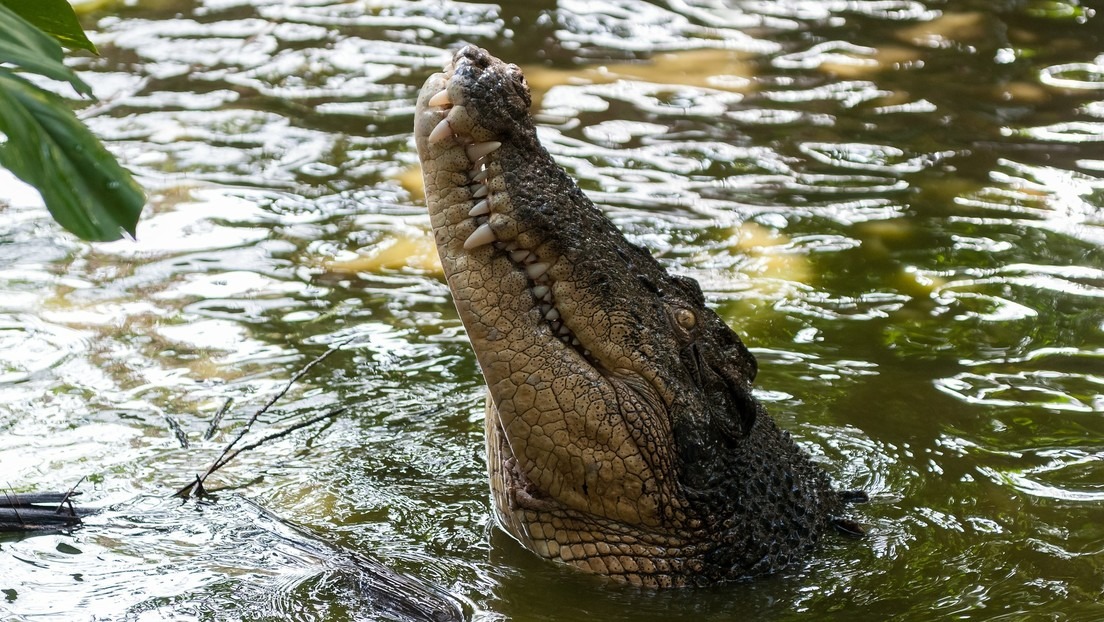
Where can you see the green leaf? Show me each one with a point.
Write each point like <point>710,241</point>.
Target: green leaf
<point>25,46</point>
<point>83,186</point>
<point>56,18</point>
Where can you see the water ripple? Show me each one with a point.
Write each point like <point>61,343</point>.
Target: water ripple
<point>30,346</point>
<point>1078,76</point>
<point>1063,391</point>
<point>871,158</point>
<point>1068,475</point>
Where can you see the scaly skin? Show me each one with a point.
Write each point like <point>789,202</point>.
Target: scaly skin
<point>622,435</point>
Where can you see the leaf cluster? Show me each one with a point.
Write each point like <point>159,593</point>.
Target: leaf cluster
<point>41,141</point>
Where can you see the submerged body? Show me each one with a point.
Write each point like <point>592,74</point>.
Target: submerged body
<point>622,434</point>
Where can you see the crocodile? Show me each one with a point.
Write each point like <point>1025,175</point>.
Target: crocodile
<point>622,434</point>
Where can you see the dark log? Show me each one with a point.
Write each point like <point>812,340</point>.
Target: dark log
<point>39,511</point>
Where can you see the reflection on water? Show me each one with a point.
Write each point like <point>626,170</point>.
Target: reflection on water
<point>899,204</point>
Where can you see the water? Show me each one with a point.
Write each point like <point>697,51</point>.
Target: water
<point>898,204</point>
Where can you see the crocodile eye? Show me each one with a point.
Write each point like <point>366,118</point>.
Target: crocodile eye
<point>686,319</point>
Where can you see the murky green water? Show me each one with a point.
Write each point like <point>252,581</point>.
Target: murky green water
<point>898,204</point>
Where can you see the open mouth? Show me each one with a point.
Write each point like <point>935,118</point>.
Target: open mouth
<point>469,155</point>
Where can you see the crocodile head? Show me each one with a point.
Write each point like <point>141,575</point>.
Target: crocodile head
<point>622,433</point>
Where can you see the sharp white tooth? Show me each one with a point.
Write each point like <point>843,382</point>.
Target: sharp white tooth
<point>552,315</point>
<point>441,132</point>
<point>575,341</point>
<point>440,99</point>
<point>547,298</point>
<point>479,150</point>
<point>481,176</point>
<point>512,245</point>
<point>540,291</point>
<point>536,270</point>
<point>481,208</point>
<point>482,235</point>
<point>586,352</point>
<point>519,255</point>
<point>481,192</point>
<point>564,331</point>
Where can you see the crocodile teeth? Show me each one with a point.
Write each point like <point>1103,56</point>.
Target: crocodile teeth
<point>536,270</point>
<point>540,291</point>
<point>481,236</point>
<point>479,150</point>
<point>519,255</point>
<point>481,208</point>
<point>441,132</point>
<point>481,192</point>
<point>552,315</point>
<point>481,176</point>
<point>440,99</point>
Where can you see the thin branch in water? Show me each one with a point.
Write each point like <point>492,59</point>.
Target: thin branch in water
<point>68,496</point>
<point>14,501</point>
<point>278,435</point>
<point>200,491</point>
<point>181,435</point>
<point>275,398</point>
<point>228,452</point>
<point>197,488</point>
<point>214,426</point>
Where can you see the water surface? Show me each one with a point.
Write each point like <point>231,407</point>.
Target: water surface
<point>898,204</point>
